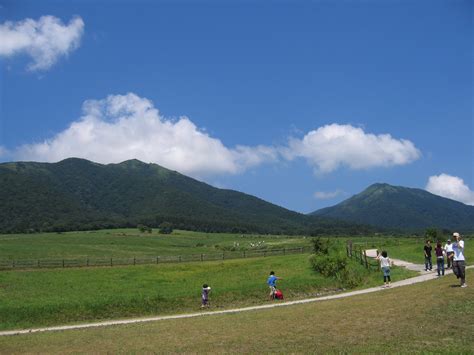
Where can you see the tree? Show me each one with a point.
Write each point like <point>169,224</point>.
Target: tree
<point>142,228</point>
<point>166,228</point>
<point>431,233</point>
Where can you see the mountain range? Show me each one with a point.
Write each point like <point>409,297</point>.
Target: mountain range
<point>77,194</point>
<point>403,208</point>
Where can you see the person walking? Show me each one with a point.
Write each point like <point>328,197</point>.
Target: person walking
<point>448,248</point>
<point>271,282</point>
<point>439,251</point>
<point>205,296</point>
<point>427,250</point>
<point>459,261</point>
<point>385,264</point>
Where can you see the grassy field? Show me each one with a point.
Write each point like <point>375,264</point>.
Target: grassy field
<point>58,296</point>
<point>411,249</point>
<point>431,317</point>
<point>132,243</point>
<point>129,243</point>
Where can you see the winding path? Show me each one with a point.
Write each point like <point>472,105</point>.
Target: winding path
<point>424,276</point>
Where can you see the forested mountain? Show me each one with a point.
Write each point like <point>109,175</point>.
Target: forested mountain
<point>404,208</point>
<point>77,194</point>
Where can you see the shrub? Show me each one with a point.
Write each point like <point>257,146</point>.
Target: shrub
<point>166,228</point>
<point>320,246</point>
<point>338,266</point>
<point>328,265</point>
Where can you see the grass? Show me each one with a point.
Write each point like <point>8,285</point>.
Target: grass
<point>412,250</point>
<point>131,243</point>
<point>430,317</point>
<point>43,297</point>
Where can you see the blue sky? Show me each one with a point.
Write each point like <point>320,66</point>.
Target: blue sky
<point>300,103</point>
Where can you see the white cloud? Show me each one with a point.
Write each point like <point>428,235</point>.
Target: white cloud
<point>44,40</point>
<point>327,195</point>
<point>123,127</point>
<point>451,187</point>
<point>332,146</point>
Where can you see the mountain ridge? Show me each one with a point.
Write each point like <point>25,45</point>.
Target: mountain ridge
<point>78,194</point>
<point>398,207</point>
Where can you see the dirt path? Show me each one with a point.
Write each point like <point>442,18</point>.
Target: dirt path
<point>425,276</point>
<point>410,266</point>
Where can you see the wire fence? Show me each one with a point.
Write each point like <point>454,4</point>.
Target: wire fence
<point>144,260</point>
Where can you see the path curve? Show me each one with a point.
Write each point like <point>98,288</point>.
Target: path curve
<point>410,266</point>
<point>425,276</point>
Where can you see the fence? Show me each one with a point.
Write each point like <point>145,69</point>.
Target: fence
<point>358,253</point>
<point>93,262</point>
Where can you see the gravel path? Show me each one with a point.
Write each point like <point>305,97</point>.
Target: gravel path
<point>424,276</point>
<point>410,266</point>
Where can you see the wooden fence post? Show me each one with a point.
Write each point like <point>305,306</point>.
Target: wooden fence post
<point>157,259</point>
<point>134,261</point>
<point>111,262</point>
<point>365,257</point>
<point>63,263</point>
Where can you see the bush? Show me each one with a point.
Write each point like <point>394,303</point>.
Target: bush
<point>338,266</point>
<point>328,265</point>
<point>166,228</point>
<point>142,228</point>
<point>320,246</point>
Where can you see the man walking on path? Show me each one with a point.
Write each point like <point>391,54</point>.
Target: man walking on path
<point>459,262</point>
<point>428,248</point>
<point>448,247</point>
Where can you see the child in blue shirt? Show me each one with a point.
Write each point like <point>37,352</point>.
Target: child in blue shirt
<point>271,281</point>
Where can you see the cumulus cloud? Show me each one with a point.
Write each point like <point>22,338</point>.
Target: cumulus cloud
<point>45,40</point>
<point>123,127</point>
<point>327,195</point>
<point>451,187</point>
<point>332,146</point>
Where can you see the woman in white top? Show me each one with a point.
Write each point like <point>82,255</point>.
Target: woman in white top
<point>459,262</point>
<point>385,263</point>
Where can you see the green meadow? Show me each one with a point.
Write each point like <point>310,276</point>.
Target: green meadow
<point>132,243</point>
<point>429,317</point>
<point>42,297</point>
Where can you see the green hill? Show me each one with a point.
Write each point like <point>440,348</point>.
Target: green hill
<point>77,194</point>
<point>397,207</point>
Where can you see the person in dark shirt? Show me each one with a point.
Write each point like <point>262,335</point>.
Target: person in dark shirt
<point>428,248</point>
<point>205,296</point>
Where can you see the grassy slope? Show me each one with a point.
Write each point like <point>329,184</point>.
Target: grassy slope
<point>427,317</point>
<point>57,296</point>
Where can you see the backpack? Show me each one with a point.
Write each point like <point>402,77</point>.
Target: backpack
<point>278,295</point>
